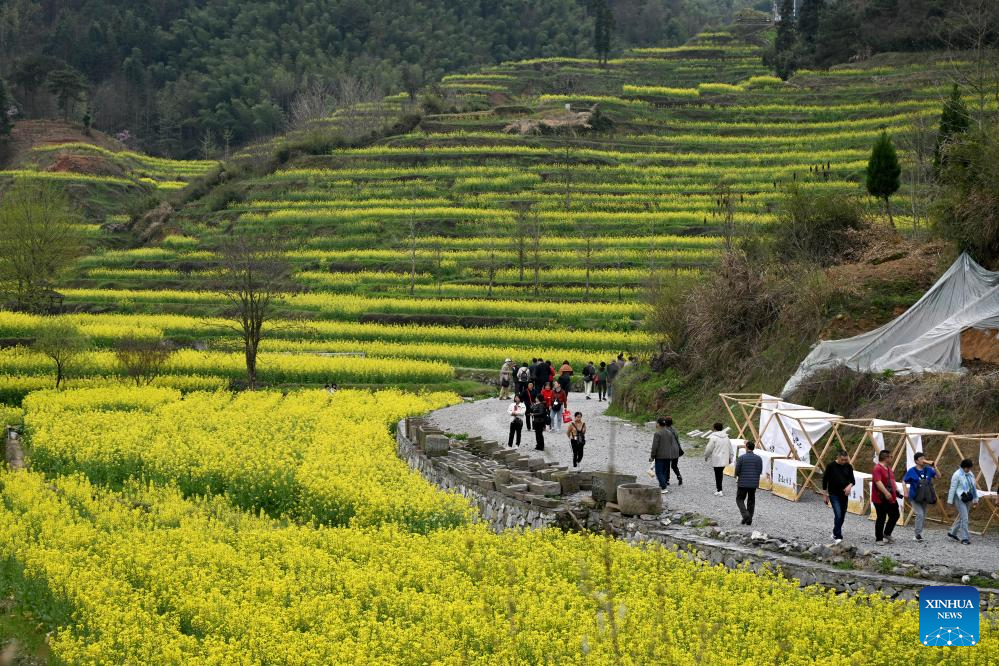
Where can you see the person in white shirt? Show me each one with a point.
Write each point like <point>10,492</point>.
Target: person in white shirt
<point>517,410</point>
<point>718,453</point>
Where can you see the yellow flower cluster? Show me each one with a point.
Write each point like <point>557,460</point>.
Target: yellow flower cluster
<point>306,455</point>
<point>145,576</point>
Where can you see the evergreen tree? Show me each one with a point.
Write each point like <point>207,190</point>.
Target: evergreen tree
<point>784,58</point>
<point>786,30</point>
<point>68,85</point>
<point>883,172</point>
<point>808,21</point>
<point>5,104</point>
<point>954,119</point>
<point>603,26</point>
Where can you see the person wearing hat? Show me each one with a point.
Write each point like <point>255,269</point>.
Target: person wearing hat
<point>506,376</point>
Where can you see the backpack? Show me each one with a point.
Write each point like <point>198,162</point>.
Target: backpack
<point>925,493</point>
<point>523,375</point>
<point>556,406</point>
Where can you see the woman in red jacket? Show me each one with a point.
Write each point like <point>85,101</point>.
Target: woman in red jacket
<point>548,396</point>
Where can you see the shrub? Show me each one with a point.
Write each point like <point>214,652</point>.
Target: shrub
<point>814,226</point>
<point>967,211</point>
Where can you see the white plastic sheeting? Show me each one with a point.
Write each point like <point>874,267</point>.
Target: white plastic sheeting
<point>926,338</point>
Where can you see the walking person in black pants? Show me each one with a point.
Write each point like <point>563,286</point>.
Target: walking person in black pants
<point>838,481</point>
<point>540,412</point>
<point>665,452</point>
<point>527,397</point>
<point>517,411</point>
<point>718,454</point>
<point>748,469</point>
<point>577,438</point>
<point>884,497</point>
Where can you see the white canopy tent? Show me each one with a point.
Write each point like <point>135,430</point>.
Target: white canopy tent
<point>926,337</point>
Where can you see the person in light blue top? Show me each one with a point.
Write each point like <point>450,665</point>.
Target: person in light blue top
<point>962,495</point>
<point>919,479</point>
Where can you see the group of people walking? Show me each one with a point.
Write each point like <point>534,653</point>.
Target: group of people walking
<point>540,397</point>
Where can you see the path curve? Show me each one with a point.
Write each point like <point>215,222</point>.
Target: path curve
<point>808,521</point>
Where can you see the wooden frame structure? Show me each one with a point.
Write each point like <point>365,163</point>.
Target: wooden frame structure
<point>989,498</point>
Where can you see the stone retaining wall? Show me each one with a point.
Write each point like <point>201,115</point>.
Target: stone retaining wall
<point>460,470</point>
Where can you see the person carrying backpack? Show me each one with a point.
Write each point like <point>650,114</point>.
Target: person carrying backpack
<point>577,438</point>
<point>919,481</point>
<point>589,373</point>
<point>601,379</point>
<point>523,379</point>
<point>565,376</point>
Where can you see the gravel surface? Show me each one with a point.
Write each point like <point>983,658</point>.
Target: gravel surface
<point>807,521</point>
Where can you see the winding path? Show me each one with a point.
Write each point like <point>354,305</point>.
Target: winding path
<point>807,521</point>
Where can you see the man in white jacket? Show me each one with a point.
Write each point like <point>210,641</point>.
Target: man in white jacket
<point>718,453</point>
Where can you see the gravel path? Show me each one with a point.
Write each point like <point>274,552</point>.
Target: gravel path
<point>807,521</point>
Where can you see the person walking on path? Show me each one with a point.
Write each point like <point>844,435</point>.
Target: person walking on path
<point>588,374</point>
<point>748,469</point>
<point>560,402</point>
<point>577,438</point>
<point>919,481</point>
<point>885,499</point>
<point>547,396</point>
<point>963,495</point>
<point>523,378</point>
<point>612,370</point>
<point>601,380</point>
<point>565,376</point>
<point>506,374</point>
<point>718,454</point>
<point>517,411</point>
<point>540,412</point>
<point>528,398</point>
<point>665,452</point>
<point>838,481</point>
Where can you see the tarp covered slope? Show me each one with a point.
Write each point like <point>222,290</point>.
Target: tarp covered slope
<point>926,338</point>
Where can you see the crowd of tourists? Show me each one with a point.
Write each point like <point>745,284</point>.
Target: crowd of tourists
<point>539,395</point>
<point>540,400</point>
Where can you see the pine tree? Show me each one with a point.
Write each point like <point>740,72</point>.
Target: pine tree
<point>68,85</point>
<point>883,172</point>
<point>5,104</point>
<point>602,28</point>
<point>786,30</point>
<point>954,119</point>
<point>808,21</point>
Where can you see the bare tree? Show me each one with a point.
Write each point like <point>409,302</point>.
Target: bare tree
<point>142,359</point>
<point>357,106</point>
<point>973,25</point>
<point>725,209</point>
<point>521,231</point>
<point>252,273</point>
<point>207,145</point>
<point>62,342</point>
<point>226,143</point>
<point>39,240</point>
<point>919,143</point>
<point>535,231</point>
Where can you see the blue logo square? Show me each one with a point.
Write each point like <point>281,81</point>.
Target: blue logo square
<point>948,615</point>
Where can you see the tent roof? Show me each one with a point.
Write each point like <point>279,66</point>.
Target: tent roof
<point>926,337</point>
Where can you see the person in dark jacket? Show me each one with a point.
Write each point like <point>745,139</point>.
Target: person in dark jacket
<point>541,373</point>
<point>589,373</point>
<point>665,453</point>
<point>527,397</point>
<point>601,380</point>
<point>838,481</point>
<point>540,413</point>
<point>748,469</point>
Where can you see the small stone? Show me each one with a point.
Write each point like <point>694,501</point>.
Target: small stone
<point>966,579</point>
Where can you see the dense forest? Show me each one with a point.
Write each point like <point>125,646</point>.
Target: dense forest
<point>170,71</point>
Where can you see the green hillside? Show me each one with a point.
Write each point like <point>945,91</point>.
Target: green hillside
<point>530,228</point>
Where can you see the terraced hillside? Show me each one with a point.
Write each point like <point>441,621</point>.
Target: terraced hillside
<point>527,223</point>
